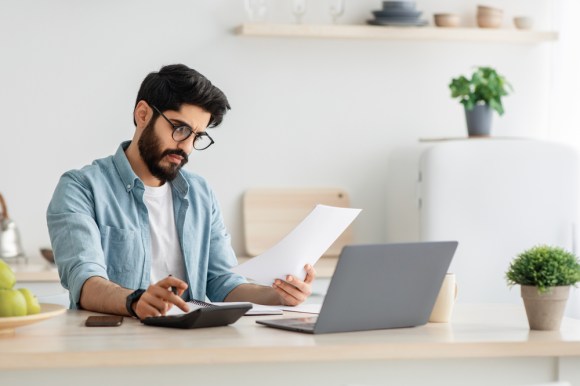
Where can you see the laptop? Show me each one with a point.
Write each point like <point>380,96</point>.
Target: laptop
<point>378,286</point>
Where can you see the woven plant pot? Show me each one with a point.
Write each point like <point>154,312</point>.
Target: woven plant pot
<point>545,310</point>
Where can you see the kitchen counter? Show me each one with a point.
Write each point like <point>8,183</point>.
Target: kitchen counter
<point>34,269</point>
<point>42,271</point>
<point>39,272</point>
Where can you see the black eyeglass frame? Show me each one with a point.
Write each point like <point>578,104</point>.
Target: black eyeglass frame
<point>185,128</point>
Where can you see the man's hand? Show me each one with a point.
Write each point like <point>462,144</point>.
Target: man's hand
<point>159,298</point>
<point>293,291</point>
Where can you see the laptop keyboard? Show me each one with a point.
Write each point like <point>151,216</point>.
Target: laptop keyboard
<point>301,322</point>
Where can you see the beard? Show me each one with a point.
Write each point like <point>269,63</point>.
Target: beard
<point>151,152</point>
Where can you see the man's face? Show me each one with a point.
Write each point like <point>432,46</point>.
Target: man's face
<point>154,155</point>
<point>164,156</point>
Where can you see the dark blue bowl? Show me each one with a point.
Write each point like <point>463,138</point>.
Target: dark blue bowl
<point>398,5</point>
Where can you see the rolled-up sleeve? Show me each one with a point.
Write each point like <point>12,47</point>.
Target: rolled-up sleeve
<point>74,235</point>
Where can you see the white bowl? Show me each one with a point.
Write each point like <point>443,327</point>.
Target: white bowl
<point>523,22</point>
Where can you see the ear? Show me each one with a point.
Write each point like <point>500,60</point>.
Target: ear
<point>142,114</point>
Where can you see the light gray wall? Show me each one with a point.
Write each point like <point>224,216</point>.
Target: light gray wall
<point>306,112</point>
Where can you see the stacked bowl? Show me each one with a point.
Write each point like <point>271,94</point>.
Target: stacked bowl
<point>489,17</point>
<point>397,13</point>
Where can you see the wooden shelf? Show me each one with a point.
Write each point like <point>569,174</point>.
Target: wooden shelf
<point>503,35</point>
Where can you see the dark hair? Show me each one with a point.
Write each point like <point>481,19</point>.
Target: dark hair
<point>177,84</point>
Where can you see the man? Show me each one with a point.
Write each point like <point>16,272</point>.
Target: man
<point>130,228</point>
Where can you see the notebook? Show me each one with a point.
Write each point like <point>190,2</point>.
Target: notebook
<point>378,286</point>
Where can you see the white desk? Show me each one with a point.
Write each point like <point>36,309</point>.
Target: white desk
<point>485,345</point>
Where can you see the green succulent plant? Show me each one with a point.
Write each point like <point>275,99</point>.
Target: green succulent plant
<point>544,267</point>
<point>485,85</point>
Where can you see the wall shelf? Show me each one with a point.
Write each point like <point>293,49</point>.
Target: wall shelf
<point>503,35</point>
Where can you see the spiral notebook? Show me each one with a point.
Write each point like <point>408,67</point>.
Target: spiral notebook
<point>257,309</point>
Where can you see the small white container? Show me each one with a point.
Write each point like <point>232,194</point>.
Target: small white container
<point>523,22</point>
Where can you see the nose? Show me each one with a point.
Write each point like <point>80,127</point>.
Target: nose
<point>187,145</point>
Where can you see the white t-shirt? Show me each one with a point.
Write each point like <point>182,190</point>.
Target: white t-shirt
<point>167,258</point>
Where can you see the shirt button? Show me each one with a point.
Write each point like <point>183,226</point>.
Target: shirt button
<point>128,186</point>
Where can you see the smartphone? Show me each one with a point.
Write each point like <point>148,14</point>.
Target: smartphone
<point>104,321</point>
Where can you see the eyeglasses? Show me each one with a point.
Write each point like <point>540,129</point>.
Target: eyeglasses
<point>201,141</point>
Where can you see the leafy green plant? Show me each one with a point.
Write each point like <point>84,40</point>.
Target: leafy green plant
<point>544,267</point>
<point>485,85</point>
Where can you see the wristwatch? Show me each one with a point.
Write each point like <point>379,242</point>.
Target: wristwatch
<point>131,299</point>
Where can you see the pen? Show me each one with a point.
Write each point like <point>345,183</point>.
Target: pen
<point>172,288</point>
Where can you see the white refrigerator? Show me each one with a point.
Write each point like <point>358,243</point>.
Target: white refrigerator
<point>497,197</point>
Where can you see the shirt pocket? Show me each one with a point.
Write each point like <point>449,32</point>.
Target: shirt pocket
<point>123,250</point>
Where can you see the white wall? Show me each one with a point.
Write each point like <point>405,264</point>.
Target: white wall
<point>306,112</point>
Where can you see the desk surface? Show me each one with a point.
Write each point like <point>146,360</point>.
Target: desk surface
<point>477,331</point>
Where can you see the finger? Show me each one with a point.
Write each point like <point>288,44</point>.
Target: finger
<point>167,298</point>
<point>293,283</point>
<point>179,302</point>
<point>145,310</point>
<point>299,294</point>
<point>154,299</point>
<point>287,299</point>
<point>169,284</point>
<point>310,273</point>
<point>171,281</point>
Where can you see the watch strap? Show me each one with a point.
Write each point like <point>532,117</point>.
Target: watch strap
<point>131,299</point>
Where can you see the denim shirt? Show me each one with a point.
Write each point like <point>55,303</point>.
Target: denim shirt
<point>99,226</point>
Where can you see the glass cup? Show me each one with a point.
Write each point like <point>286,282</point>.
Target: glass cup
<point>299,10</point>
<point>336,10</point>
<point>256,10</point>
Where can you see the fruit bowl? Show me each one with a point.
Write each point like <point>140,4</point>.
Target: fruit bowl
<point>47,311</point>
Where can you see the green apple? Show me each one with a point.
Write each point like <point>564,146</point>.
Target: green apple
<point>32,306</point>
<point>7,278</point>
<point>12,303</point>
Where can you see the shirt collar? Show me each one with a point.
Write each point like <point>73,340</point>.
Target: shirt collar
<point>123,166</point>
<point>129,177</point>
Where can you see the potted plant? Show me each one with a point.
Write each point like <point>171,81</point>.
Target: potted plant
<point>545,274</point>
<point>480,95</point>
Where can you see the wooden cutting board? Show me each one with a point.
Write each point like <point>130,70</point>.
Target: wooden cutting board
<point>270,214</point>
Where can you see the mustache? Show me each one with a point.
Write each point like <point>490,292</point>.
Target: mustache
<point>178,152</point>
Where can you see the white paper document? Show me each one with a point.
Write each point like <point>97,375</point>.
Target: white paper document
<point>303,245</point>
